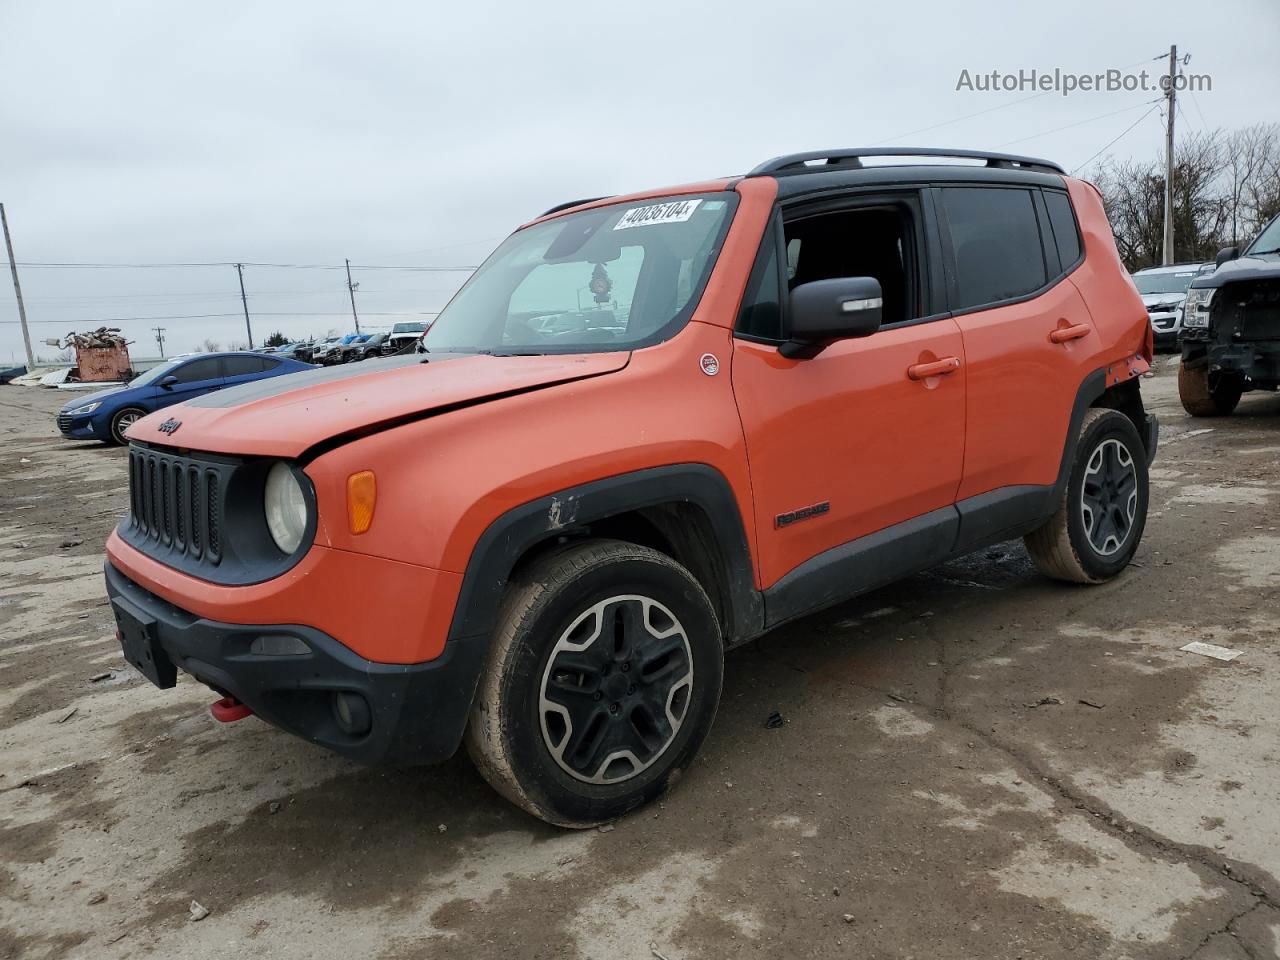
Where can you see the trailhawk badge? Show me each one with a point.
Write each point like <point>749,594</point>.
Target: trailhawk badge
<point>169,426</point>
<point>710,364</point>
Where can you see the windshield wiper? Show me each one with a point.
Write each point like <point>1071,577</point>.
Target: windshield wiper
<point>1259,253</point>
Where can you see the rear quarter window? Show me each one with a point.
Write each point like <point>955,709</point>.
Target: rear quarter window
<point>1062,220</point>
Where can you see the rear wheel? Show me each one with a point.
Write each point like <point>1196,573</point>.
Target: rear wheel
<point>1208,394</point>
<point>122,421</point>
<point>603,679</point>
<point>1100,518</point>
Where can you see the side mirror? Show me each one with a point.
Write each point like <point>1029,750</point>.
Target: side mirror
<point>837,309</point>
<point>1225,254</point>
<point>168,381</point>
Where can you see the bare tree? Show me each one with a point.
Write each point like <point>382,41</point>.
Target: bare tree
<point>1226,186</point>
<point>1250,178</point>
<point>210,346</point>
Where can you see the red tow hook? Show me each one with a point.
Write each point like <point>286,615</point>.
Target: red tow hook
<point>229,710</point>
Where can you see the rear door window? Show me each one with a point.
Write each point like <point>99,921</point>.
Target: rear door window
<point>239,366</point>
<point>995,242</point>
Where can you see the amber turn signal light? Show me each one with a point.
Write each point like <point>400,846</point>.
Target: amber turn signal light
<point>362,495</point>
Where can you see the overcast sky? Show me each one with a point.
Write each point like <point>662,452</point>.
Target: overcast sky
<point>418,134</point>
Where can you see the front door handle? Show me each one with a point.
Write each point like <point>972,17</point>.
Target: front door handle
<point>935,368</point>
<point>1073,332</point>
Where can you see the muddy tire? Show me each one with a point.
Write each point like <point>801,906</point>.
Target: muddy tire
<point>602,681</point>
<point>122,421</point>
<point>1100,517</point>
<point>1205,394</point>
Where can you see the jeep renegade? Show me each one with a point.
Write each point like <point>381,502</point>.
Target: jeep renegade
<point>647,429</point>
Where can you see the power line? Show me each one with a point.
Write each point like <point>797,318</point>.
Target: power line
<point>1012,103</point>
<point>1079,123</point>
<point>1111,143</point>
<point>968,116</point>
<point>102,321</point>
<point>231,263</point>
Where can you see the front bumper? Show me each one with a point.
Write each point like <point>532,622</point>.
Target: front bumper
<point>1259,361</point>
<point>1165,328</point>
<point>78,427</point>
<point>417,712</point>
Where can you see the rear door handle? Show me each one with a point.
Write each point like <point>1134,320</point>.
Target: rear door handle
<point>1073,332</point>
<point>935,368</point>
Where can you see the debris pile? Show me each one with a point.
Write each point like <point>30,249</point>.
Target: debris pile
<point>103,337</point>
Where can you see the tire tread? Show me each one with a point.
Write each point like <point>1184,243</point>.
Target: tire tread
<point>548,575</point>
<point>1050,545</point>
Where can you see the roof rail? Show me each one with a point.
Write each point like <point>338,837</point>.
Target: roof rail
<point>818,160</point>
<point>572,203</point>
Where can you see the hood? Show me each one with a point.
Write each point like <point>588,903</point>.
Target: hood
<point>82,399</point>
<point>1245,268</point>
<point>1170,300</point>
<point>287,415</point>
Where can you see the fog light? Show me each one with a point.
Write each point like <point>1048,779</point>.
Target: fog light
<point>277,645</point>
<point>352,713</point>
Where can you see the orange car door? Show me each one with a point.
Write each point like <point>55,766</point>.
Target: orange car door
<point>1028,337</point>
<point>869,433</point>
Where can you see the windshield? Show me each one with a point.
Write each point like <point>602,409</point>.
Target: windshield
<point>1164,282</point>
<point>408,328</point>
<point>610,278</point>
<point>155,373</point>
<point>1268,240</point>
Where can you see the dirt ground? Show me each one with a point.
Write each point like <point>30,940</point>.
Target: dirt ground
<point>976,763</point>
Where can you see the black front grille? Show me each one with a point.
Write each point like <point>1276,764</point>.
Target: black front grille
<point>202,514</point>
<point>174,503</point>
<point>64,423</point>
<point>1259,305</point>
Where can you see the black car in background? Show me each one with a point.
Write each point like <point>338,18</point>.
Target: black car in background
<point>369,348</point>
<point>1231,328</point>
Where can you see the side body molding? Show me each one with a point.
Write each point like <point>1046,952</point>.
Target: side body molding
<point>831,577</point>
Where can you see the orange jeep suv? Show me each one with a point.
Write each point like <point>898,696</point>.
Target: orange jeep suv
<point>649,428</point>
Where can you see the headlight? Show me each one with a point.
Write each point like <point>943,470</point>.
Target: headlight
<point>286,508</point>
<point>86,408</point>
<point>1195,310</point>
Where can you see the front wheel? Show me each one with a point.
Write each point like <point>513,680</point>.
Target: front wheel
<point>1208,394</point>
<point>122,421</point>
<point>602,682</point>
<point>1098,524</point>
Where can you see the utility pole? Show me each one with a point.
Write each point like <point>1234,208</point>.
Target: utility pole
<point>351,289</point>
<point>244,300</point>
<point>1171,104</point>
<point>160,339</point>
<point>17,292</point>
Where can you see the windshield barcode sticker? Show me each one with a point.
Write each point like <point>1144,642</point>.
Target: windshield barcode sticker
<point>676,211</point>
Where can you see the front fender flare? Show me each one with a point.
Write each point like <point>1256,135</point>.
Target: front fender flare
<point>508,537</point>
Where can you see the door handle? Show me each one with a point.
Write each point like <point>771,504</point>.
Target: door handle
<point>1073,332</point>
<point>936,368</point>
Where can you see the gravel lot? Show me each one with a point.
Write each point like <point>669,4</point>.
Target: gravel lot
<point>976,763</point>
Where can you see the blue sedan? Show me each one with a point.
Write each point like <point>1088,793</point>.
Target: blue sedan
<point>106,415</point>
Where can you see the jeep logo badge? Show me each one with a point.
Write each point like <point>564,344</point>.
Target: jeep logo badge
<point>169,426</point>
<point>710,364</point>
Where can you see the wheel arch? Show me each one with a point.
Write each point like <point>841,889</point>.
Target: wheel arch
<point>687,511</point>
<point>1125,397</point>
